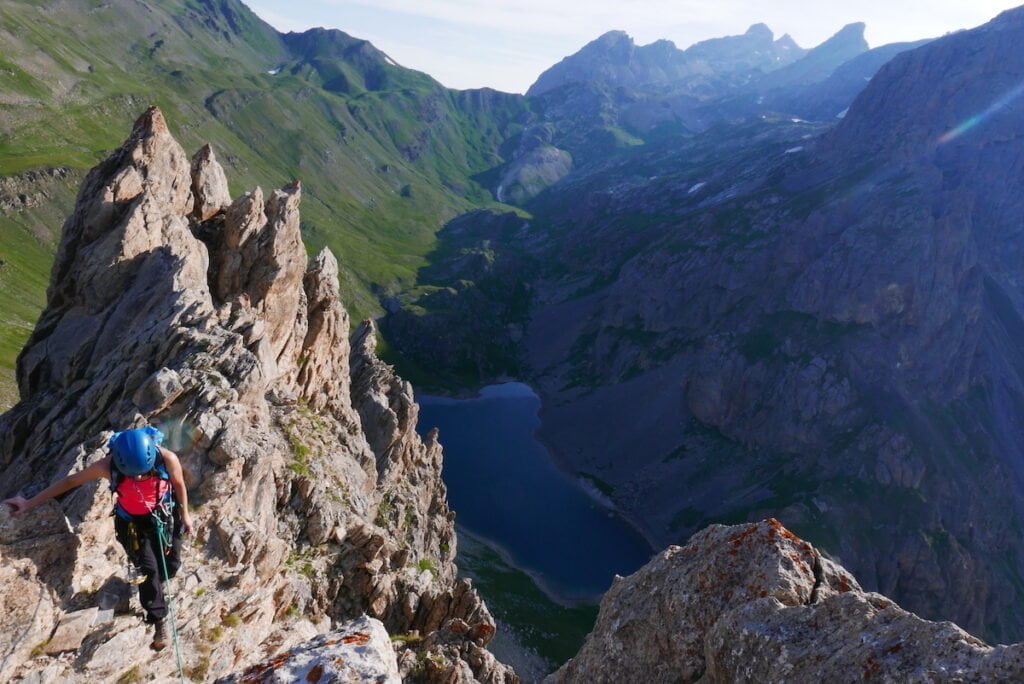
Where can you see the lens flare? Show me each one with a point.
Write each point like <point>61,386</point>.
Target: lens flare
<point>973,121</point>
<point>180,435</point>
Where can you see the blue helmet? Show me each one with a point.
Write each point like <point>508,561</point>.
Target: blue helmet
<point>135,450</point>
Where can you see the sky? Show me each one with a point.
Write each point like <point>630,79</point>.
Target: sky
<point>506,44</point>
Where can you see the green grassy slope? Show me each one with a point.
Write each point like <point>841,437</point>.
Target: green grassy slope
<point>386,154</point>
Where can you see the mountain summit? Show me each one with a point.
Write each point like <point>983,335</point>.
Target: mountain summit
<point>820,62</point>
<point>615,60</point>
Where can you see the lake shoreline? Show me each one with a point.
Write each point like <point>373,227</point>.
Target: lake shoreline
<point>512,494</point>
<point>536,577</point>
<point>562,464</point>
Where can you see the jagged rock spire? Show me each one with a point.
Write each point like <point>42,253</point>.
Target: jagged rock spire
<point>209,185</point>
<point>171,305</point>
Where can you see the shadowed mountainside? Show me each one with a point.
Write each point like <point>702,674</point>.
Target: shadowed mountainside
<point>806,320</point>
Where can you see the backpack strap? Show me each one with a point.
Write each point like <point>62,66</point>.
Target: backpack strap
<point>160,466</point>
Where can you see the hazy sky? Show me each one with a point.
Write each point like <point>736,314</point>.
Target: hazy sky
<point>506,44</point>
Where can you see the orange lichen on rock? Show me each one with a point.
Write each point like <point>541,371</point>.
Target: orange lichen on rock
<point>783,531</point>
<point>739,537</point>
<point>482,631</point>
<point>871,668</point>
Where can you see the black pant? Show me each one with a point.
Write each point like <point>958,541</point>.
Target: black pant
<point>140,541</point>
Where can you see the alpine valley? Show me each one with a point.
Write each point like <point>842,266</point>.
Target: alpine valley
<point>764,293</point>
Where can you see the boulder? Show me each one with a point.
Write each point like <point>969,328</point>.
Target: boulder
<point>358,651</point>
<point>754,602</point>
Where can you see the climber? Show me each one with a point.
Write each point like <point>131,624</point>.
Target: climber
<point>150,492</point>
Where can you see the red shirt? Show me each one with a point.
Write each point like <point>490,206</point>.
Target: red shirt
<point>140,498</point>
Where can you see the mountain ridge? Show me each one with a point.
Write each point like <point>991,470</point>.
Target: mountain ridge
<point>615,59</point>
<point>317,502</point>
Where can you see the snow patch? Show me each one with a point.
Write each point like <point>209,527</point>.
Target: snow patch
<point>696,187</point>
<point>791,150</point>
<point>274,72</point>
<point>796,120</point>
<point>841,114</point>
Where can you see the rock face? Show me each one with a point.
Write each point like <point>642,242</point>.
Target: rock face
<point>755,603</point>
<point>315,499</point>
<point>359,651</point>
<point>534,170</point>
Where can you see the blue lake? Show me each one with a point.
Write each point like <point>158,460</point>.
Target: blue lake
<point>505,488</point>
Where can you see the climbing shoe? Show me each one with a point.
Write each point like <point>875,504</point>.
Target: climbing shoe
<point>135,575</point>
<point>159,636</point>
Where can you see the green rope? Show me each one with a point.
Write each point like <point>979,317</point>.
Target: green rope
<point>166,543</point>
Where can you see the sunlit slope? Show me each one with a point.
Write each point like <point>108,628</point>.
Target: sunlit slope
<point>385,154</point>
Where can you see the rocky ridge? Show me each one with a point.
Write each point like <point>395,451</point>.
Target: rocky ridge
<point>754,603</point>
<point>315,500</point>
<point>615,59</point>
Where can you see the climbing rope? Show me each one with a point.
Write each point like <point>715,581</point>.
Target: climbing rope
<point>165,543</point>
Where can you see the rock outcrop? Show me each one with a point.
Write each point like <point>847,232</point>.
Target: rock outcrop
<point>754,602</point>
<point>315,500</point>
<point>359,651</point>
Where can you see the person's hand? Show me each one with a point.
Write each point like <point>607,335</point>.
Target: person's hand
<point>186,523</point>
<point>18,505</point>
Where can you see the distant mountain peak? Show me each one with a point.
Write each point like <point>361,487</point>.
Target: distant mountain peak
<point>760,29</point>
<point>614,59</point>
<point>663,43</point>
<point>611,38</point>
<point>818,63</point>
<point>1011,17</point>
<point>786,42</point>
<point>848,35</point>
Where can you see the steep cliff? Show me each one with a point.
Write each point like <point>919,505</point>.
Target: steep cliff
<point>754,603</point>
<point>315,499</point>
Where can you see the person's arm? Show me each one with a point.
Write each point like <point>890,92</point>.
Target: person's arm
<point>178,484</point>
<point>97,471</point>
